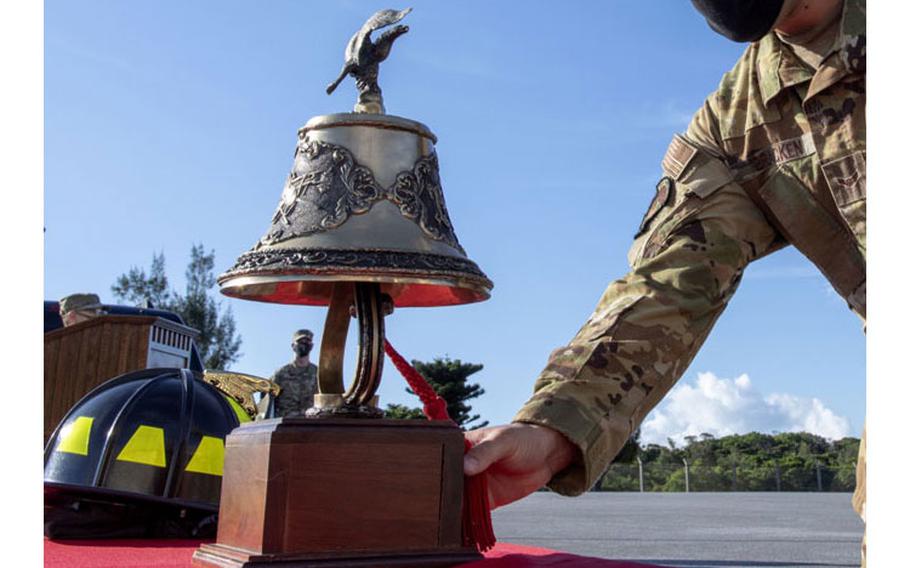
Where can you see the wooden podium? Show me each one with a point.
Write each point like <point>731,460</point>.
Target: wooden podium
<point>82,356</point>
<point>330,492</point>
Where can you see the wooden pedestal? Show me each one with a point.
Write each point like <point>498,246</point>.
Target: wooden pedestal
<point>82,356</point>
<point>301,493</point>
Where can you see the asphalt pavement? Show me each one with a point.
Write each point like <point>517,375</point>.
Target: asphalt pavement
<point>691,530</point>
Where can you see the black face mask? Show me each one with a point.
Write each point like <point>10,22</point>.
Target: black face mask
<point>740,20</point>
<point>303,349</point>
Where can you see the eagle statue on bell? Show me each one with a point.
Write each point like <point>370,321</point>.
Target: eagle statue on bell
<point>361,221</point>
<point>362,58</point>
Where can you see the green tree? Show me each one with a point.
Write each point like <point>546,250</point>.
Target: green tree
<point>218,342</point>
<point>449,378</point>
<point>137,287</point>
<point>756,457</point>
<point>403,412</point>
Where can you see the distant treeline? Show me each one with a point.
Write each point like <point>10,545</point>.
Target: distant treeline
<point>749,462</point>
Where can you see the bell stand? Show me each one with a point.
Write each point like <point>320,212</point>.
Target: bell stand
<point>325,490</point>
<point>366,302</point>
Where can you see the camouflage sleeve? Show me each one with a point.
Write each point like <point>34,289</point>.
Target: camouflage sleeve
<point>687,259</point>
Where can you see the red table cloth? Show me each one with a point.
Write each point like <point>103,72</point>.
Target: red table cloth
<point>178,554</point>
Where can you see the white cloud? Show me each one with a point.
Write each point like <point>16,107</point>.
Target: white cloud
<point>733,406</point>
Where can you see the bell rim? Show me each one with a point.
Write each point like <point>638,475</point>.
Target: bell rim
<point>385,277</point>
<point>471,279</point>
<point>231,287</point>
<point>387,121</point>
<point>325,260</point>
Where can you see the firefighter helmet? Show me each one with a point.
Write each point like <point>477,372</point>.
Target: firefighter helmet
<point>152,438</point>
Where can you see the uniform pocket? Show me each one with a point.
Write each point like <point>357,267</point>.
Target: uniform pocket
<point>846,178</point>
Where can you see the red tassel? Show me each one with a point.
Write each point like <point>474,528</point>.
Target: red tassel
<point>434,406</point>
<point>476,521</point>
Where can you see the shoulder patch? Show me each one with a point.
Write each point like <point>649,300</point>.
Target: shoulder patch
<point>678,156</point>
<point>662,196</point>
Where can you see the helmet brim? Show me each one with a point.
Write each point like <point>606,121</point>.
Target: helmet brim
<point>54,489</point>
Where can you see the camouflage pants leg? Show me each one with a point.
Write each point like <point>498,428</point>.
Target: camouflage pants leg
<point>859,494</point>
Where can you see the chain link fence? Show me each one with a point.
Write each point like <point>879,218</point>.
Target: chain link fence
<point>661,477</point>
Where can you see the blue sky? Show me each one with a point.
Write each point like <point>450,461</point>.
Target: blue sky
<point>173,123</point>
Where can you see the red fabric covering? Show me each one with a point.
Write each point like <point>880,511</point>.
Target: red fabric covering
<point>119,553</point>
<point>178,554</point>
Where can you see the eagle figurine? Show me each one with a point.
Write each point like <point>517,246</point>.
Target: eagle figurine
<point>363,56</point>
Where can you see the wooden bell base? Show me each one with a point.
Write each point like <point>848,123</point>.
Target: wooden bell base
<point>325,492</point>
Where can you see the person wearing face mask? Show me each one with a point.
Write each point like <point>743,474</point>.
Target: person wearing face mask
<point>297,379</point>
<point>775,157</point>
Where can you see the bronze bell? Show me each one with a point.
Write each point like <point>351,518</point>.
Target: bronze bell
<point>361,227</point>
<point>363,203</point>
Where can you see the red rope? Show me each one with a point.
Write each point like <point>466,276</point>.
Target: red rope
<point>476,522</point>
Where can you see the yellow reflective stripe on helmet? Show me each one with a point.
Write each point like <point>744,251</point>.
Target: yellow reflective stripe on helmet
<point>238,410</point>
<point>209,457</point>
<point>146,446</point>
<point>73,438</point>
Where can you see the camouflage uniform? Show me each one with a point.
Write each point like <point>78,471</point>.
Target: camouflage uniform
<point>298,385</point>
<point>776,156</point>
<point>75,302</point>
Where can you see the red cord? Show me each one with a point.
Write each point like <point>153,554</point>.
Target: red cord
<point>476,521</point>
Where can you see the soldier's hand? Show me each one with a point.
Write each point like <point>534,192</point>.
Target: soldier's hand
<point>518,458</point>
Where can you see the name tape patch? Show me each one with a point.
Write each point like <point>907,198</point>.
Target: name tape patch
<point>678,156</point>
<point>778,153</point>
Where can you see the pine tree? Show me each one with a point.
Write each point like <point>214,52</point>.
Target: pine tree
<point>449,379</point>
<point>218,342</point>
<point>403,412</point>
<point>135,287</point>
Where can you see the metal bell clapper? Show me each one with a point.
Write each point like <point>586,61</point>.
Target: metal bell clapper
<point>361,227</point>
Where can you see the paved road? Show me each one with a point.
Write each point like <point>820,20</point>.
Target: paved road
<point>691,530</point>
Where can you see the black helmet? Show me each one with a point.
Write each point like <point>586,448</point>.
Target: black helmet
<point>144,446</point>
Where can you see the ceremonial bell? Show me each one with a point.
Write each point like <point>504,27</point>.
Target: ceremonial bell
<point>362,221</point>
<point>361,227</point>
